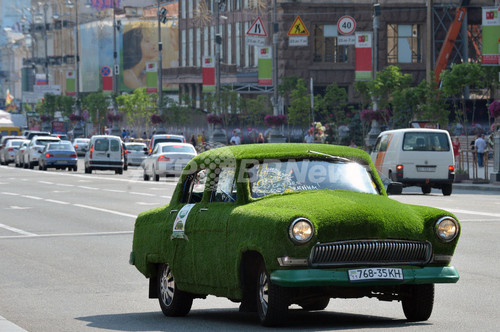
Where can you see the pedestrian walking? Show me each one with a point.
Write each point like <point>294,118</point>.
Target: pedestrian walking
<point>480,146</point>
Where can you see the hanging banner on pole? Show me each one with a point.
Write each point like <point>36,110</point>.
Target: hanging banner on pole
<point>490,36</point>
<point>208,74</point>
<point>70,83</point>
<point>265,76</point>
<point>363,66</point>
<point>151,77</point>
<point>107,79</point>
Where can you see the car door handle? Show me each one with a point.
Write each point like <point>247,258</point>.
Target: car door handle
<point>173,211</point>
<point>203,209</point>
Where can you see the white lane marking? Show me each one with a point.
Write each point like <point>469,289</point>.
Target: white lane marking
<point>106,210</point>
<point>66,234</point>
<point>57,202</point>
<point>149,203</point>
<point>477,213</point>
<point>89,188</point>
<point>45,182</point>
<point>142,194</point>
<point>115,191</point>
<point>15,207</point>
<point>10,194</point>
<point>31,197</point>
<point>167,197</point>
<point>65,185</point>
<point>16,230</point>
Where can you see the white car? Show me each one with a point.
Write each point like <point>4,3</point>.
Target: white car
<point>105,153</point>
<point>81,145</point>
<point>19,158</point>
<point>37,144</point>
<point>8,153</point>
<point>136,153</point>
<point>168,159</point>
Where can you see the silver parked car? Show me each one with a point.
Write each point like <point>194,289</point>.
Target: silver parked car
<point>19,157</point>
<point>168,159</point>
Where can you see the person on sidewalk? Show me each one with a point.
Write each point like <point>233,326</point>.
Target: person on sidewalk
<point>480,146</point>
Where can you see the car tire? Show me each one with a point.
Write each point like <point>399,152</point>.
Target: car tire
<point>25,165</point>
<point>272,300</point>
<point>87,170</point>
<point>447,189</point>
<point>146,177</point>
<point>41,167</point>
<point>119,171</point>
<point>418,302</point>
<point>173,302</point>
<point>31,165</point>
<point>317,304</point>
<point>75,168</point>
<point>156,177</point>
<point>426,189</point>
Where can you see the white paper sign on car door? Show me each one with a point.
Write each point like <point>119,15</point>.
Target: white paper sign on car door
<point>180,222</point>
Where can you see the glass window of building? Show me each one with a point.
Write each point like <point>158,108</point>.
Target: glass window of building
<point>326,46</point>
<point>404,43</point>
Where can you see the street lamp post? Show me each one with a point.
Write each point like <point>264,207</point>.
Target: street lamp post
<point>162,17</point>
<point>78,130</point>
<point>115,130</point>
<point>45,37</point>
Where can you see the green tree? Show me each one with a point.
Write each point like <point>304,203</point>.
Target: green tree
<point>256,109</point>
<point>96,103</point>
<point>137,107</point>
<point>299,112</point>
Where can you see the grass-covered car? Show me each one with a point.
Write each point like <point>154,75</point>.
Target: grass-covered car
<point>270,225</point>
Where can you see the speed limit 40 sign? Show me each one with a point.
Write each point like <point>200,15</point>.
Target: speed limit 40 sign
<point>346,25</point>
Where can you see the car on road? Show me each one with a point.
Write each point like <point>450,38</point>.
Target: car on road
<point>159,138</point>
<point>8,152</point>
<point>81,145</point>
<point>167,159</point>
<point>105,152</point>
<point>60,155</point>
<point>136,153</point>
<point>29,134</point>
<point>37,144</point>
<point>416,157</point>
<point>19,157</point>
<point>271,225</point>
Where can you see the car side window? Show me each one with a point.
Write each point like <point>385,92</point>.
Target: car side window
<point>194,187</point>
<point>225,190</point>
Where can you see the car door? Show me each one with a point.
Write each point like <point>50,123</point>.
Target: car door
<point>208,234</point>
<point>183,227</point>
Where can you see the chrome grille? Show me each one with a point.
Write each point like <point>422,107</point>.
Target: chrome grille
<point>370,252</point>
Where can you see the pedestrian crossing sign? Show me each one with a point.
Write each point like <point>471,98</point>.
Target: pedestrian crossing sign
<point>298,28</point>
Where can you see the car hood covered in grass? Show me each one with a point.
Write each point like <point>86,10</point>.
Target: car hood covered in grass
<point>340,215</point>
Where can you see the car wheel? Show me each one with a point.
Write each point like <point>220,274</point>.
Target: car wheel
<point>31,165</point>
<point>88,170</point>
<point>173,302</point>
<point>156,177</point>
<point>146,177</point>
<point>426,189</point>
<point>41,168</point>
<point>75,168</point>
<point>418,302</point>
<point>125,167</point>
<point>119,171</point>
<point>25,165</point>
<point>447,189</point>
<point>272,300</point>
<point>316,304</point>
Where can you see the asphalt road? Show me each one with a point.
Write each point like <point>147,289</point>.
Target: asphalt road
<point>65,240</point>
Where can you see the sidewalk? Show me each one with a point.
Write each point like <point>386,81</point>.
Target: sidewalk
<point>470,185</point>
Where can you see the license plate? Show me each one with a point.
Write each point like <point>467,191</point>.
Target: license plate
<point>376,273</point>
<point>426,169</point>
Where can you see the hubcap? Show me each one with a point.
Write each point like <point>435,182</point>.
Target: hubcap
<point>263,291</point>
<point>167,286</point>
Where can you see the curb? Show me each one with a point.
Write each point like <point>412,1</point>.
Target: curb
<point>477,186</point>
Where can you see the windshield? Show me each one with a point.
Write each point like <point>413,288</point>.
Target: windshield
<point>135,147</point>
<point>45,142</point>
<point>289,176</point>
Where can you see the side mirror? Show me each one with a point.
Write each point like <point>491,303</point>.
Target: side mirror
<point>394,188</point>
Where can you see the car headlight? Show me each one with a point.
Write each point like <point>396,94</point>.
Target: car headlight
<point>301,230</point>
<point>446,229</point>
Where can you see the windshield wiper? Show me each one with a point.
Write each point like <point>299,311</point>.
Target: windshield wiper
<point>336,158</point>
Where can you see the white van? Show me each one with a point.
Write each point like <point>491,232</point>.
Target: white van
<point>105,152</point>
<point>416,157</point>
